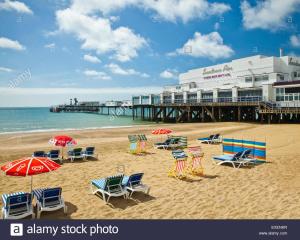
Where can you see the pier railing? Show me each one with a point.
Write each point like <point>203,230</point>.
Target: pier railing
<point>245,99</point>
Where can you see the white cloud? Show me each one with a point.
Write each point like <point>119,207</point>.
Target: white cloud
<point>210,46</point>
<point>50,45</point>
<point>97,34</point>
<point>15,6</point>
<point>74,91</point>
<point>11,44</point>
<point>116,69</point>
<point>11,97</point>
<point>168,10</point>
<point>92,59</point>
<point>97,74</point>
<point>217,26</point>
<point>5,69</point>
<point>114,18</point>
<point>169,74</point>
<point>269,14</point>
<point>295,40</point>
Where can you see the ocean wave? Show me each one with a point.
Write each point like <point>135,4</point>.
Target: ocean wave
<point>69,129</point>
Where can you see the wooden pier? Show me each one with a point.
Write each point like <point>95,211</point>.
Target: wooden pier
<point>246,111</point>
<point>93,107</point>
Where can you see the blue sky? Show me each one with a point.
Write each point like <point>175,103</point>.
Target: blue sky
<point>101,50</point>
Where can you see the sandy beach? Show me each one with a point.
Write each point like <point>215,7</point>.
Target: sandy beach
<point>267,191</point>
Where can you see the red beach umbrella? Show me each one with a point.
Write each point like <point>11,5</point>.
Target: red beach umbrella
<point>161,131</point>
<point>62,141</point>
<point>30,166</point>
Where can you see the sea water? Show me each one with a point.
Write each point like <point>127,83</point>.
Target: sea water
<point>41,119</point>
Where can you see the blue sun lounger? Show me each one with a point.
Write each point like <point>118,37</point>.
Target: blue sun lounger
<point>133,183</point>
<point>211,139</point>
<point>17,205</point>
<point>49,199</point>
<point>170,143</point>
<point>110,186</point>
<point>76,153</point>
<point>54,155</point>
<point>39,154</point>
<point>88,152</point>
<point>238,159</point>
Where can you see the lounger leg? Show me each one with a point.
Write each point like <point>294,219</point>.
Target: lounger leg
<point>38,211</point>
<point>65,209</point>
<point>148,191</point>
<point>130,194</point>
<point>108,199</point>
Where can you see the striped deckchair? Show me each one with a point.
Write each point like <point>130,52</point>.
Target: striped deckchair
<point>142,143</point>
<point>179,169</point>
<point>133,144</point>
<point>196,167</point>
<point>183,142</point>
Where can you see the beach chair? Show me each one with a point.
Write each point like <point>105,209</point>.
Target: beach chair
<point>170,143</point>
<point>49,199</point>
<point>182,142</point>
<point>39,154</point>
<point>54,155</point>
<point>236,160</point>
<point>196,167</point>
<point>133,144</point>
<point>215,138</point>
<point>110,186</point>
<point>142,143</point>
<point>179,169</point>
<point>179,154</point>
<point>88,152</point>
<point>76,153</point>
<point>133,183</point>
<point>17,205</point>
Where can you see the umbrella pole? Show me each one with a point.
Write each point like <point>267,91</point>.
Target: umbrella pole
<point>62,153</point>
<point>31,185</point>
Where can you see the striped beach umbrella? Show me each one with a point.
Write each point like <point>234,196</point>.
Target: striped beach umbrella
<point>30,166</point>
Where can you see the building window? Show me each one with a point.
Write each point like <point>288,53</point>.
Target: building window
<point>280,77</point>
<point>292,90</point>
<point>193,85</point>
<point>207,95</point>
<point>192,96</point>
<point>261,78</point>
<point>248,79</point>
<point>250,93</point>
<point>297,74</point>
<point>178,87</point>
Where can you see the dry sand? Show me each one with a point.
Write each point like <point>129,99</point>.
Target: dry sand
<point>270,190</point>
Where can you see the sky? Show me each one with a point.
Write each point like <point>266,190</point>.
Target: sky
<point>54,50</point>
